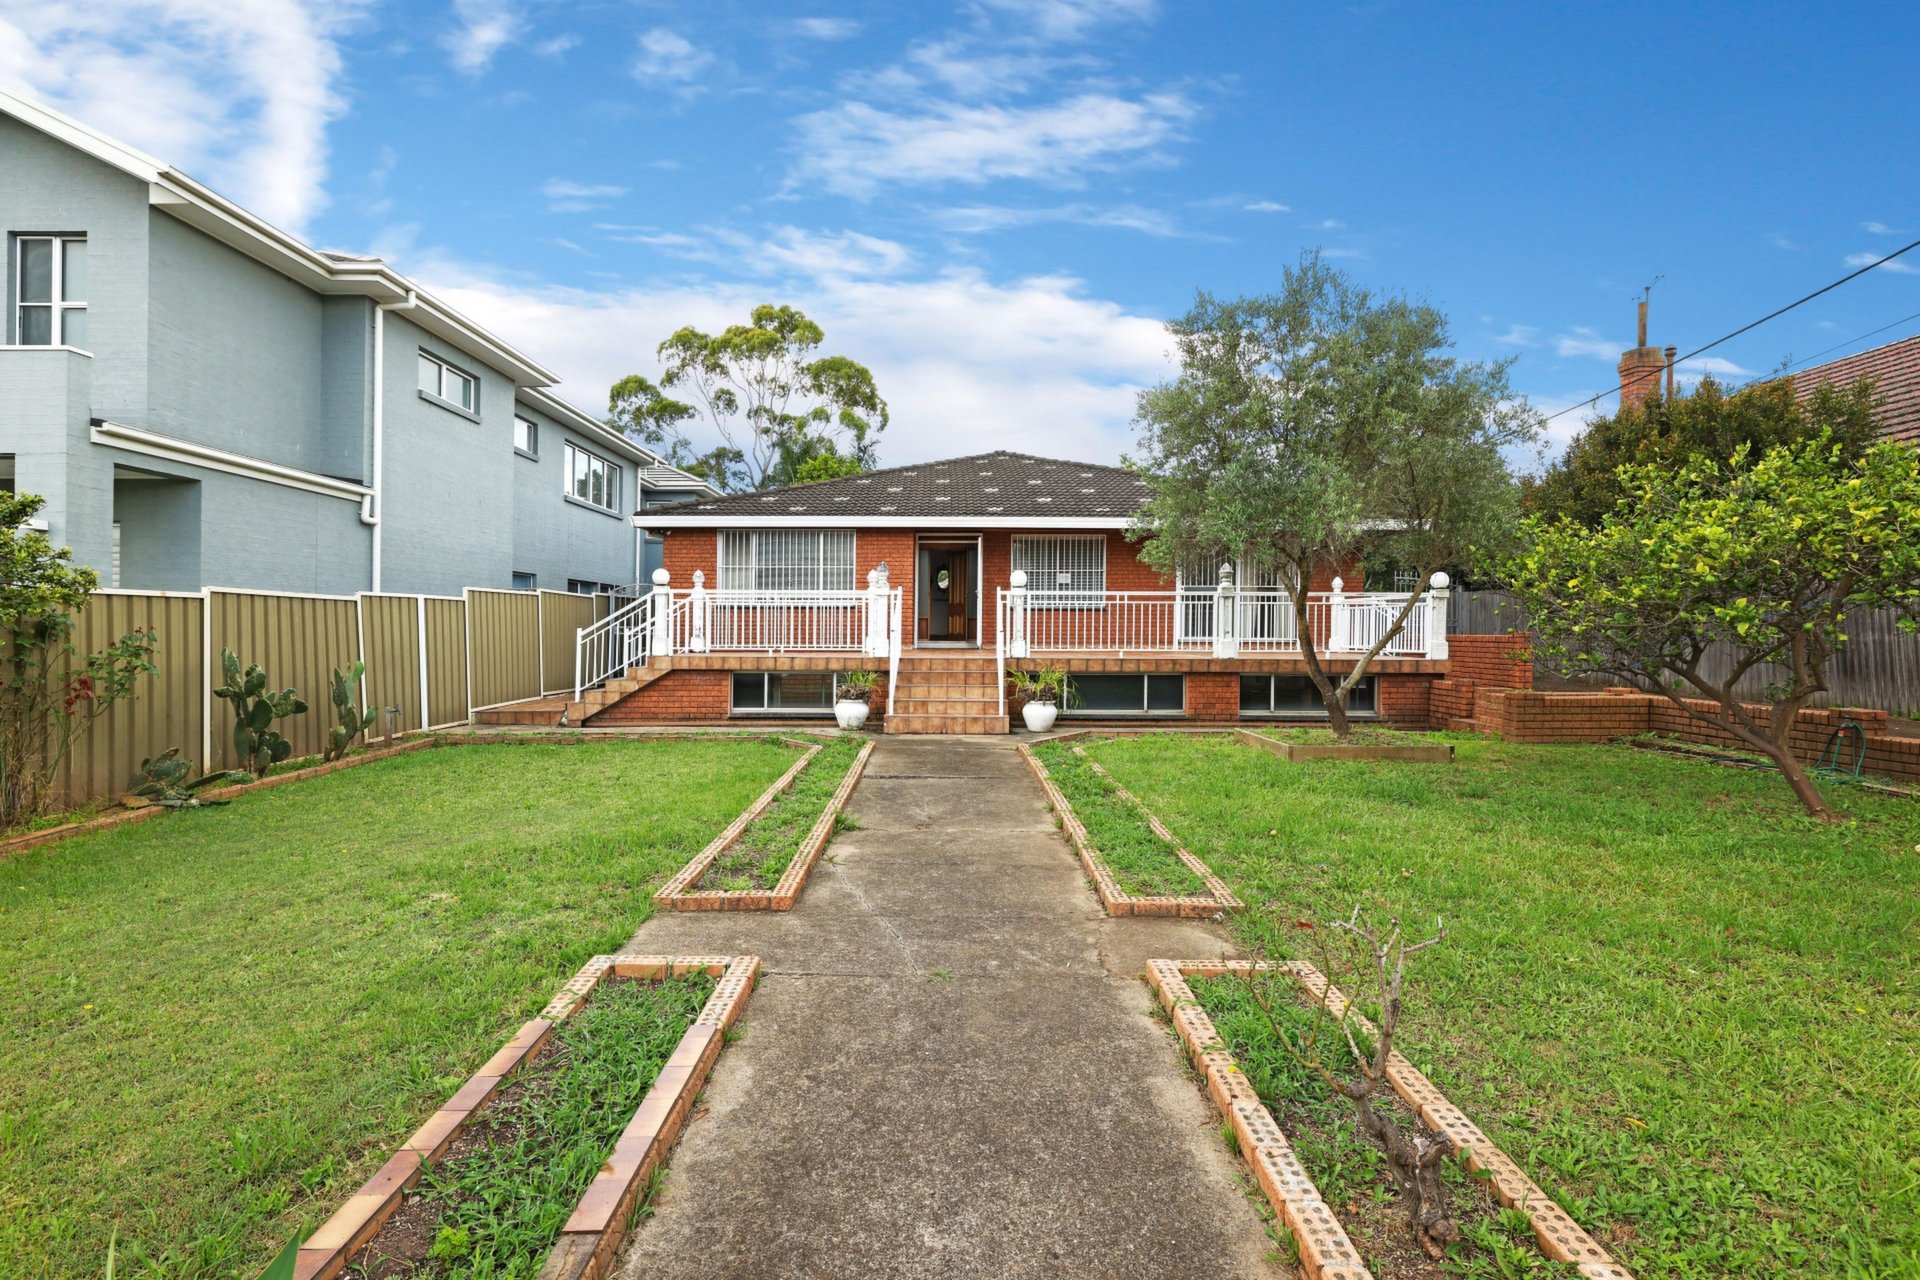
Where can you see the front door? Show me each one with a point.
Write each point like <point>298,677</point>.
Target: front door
<point>948,595</point>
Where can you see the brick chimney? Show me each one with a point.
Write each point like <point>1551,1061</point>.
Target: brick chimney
<point>1640,369</point>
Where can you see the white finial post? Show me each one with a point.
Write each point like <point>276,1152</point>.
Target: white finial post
<point>1016,638</point>
<point>699,610</point>
<point>1226,615</point>
<point>878,592</point>
<point>1436,645</point>
<point>662,614</point>
<point>1340,624</point>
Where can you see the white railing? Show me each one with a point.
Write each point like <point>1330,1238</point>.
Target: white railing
<point>668,621</point>
<point>1221,621</point>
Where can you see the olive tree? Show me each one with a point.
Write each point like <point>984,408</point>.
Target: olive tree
<point>1321,427</point>
<point>1764,559</point>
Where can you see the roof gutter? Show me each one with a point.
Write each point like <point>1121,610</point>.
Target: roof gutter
<point>371,506</point>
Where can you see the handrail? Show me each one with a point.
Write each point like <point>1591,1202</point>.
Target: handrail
<point>614,643</point>
<point>893,645</point>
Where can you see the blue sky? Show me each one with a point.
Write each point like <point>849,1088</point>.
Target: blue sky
<point>995,204</point>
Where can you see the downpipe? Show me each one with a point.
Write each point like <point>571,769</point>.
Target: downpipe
<point>371,505</point>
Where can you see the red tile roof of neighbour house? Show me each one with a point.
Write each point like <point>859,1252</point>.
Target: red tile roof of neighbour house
<point>986,489</point>
<point>1895,370</point>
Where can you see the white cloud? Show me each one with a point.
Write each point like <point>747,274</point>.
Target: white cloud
<point>1781,241</point>
<point>1071,19</point>
<point>484,28</point>
<point>1519,335</point>
<point>1713,365</point>
<point>554,46</point>
<point>1899,266</point>
<point>976,219</point>
<point>826,28</point>
<point>855,148</point>
<point>1878,229</point>
<point>1267,206</point>
<point>784,254</point>
<point>944,349</point>
<point>238,93</point>
<point>565,196</point>
<point>669,58</point>
<point>1587,343</point>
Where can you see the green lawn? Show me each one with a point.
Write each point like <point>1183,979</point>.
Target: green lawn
<point>1141,863</point>
<point>767,847</point>
<point>1691,1012</point>
<point>218,1022</point>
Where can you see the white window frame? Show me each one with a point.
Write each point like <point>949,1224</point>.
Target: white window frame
<point>1046,557</point>
<point>823,709</point>
<point>531,449</point>
<point>438,391</point>
<point>1068,709</point>
<point>57,304</point>
<point>533,581</point>
<point>610,486</point>
<point>1315,711</point>
<point>773,561</point>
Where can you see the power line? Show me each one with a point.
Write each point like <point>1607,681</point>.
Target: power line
<point>1807,360</point>
<point>1747,327</point>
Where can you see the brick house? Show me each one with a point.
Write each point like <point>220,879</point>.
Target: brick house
<point>940,578</point>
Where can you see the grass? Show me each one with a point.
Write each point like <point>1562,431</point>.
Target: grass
<point>1691,1012</point>
<point>503,1204</point>
<point>1363,734</point>
<point>219,1021</point>
<point>1141,862</point>
<point>767,847</point>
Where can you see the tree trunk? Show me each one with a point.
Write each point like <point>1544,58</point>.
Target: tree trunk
<point>1796,776</point>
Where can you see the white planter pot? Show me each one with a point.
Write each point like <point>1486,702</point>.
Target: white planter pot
<point>1040,715</point>
<point>850,714</point>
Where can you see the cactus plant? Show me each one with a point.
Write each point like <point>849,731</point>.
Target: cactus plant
<point>167,780</point>
<point>255,708</point>
<point>353,721</point>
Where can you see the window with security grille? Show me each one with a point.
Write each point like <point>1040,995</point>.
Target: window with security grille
<point>787,560</point>
<point>1077,566</point>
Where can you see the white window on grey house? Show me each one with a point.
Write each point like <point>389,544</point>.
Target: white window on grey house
<point>1073,566</point>
<point>525,581</point>
<point>592,479</point>
<point>51,291</point>
<point>786,560</point>
<point>526,436</point>
<point>442,380</point>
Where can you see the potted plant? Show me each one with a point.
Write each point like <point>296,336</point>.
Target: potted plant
<point>851,694</point>
<point>1041,691</point>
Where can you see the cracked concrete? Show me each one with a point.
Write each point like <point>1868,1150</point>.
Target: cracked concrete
<point>949,1068</point>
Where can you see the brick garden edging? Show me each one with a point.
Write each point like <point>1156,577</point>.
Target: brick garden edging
<point>599,1221</point>
<point>1113,899</point>
<point>1415,752</point>
<point>678,893</point>
<point>1326,1253</point>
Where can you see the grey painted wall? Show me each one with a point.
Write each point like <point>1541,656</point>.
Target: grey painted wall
<point>43,423</point>
<point>557,539</point>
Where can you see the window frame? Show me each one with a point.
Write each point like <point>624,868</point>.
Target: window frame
<point>57,305</point>
<point>1057,563</point>
<point>611,482</point>
<point>766,689</point>
<point>827,575</point>
<point>1318,711</point>
<point>533,581</point>
<point>438,392</point>
<point>1146,709</point>
<point>532,448</point>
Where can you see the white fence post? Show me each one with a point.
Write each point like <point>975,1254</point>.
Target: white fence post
<point>1340,624</point>
<point>1436,645</point>
<point>697,609</point>
<point>879,599</point>
<point>1226,615</point>
<point>1016,637</point>
<point>662,610</point>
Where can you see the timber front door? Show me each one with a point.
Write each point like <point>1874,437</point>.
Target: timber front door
<point>948,591</point>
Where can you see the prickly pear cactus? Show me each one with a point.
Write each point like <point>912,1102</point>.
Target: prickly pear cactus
<point>257,744</point>
<point>352,721</point>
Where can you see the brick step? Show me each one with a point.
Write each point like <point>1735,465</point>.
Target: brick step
<point>946,706</point>
<point>899,723</point>
<point>948,681</point>
<point>969,659</point>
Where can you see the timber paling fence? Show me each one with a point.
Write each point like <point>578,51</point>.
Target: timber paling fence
<point>1879,667</point>
<point>438,659</point>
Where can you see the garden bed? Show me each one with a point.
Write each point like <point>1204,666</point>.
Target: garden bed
<point>762,860</point>
<point>544,1124</point>
<point>1267,1098</point>
<point>1137,866</point>
<point>1311,742</point>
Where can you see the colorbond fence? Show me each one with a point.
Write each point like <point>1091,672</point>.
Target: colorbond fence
<point>436,658</point>
<point>1879,668</point>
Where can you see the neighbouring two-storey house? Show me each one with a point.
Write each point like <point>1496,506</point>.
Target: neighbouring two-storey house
<point>204,400</point>
<point>942,577</point>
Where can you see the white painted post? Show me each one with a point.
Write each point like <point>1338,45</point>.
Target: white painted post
<point>1016,638</point>
<point>1437,616</point>
<point>698,606</point>
<point>1226,615</point>
<point>1340,625</point>
<point>662,611</point>
<point>879,600</point>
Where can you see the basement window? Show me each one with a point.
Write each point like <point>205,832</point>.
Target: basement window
<point>1128,695</point>
<point>778,693</point>
<point>1295,696</point>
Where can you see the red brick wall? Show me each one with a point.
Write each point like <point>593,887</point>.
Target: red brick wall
<point>1213,697</point>
<point>1404,700</point>
<point>1450,704</point>
<point>1492,662</point>
<point>679,697</point>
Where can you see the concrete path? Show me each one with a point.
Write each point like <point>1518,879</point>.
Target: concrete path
<point>949,1068</point>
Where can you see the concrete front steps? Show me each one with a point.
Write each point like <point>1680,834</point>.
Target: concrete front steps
<point>946,692</point>
<point>554,712</point>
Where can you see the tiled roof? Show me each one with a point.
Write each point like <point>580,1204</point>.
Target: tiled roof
<point>985,486</point>
<point>1895,370</point>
